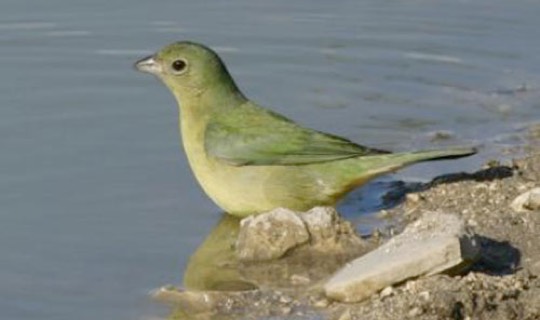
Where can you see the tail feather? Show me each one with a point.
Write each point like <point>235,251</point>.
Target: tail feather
<point>351,173</point>
<point>444,154</point>
<point>394,161</point>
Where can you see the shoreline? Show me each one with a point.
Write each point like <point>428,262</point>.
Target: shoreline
<point>503,283</point>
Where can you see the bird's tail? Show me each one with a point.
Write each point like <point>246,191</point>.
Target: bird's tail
<point>394,161</point>
<point>441,154</point>
<point>351,173</point>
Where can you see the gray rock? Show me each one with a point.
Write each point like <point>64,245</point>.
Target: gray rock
<point>322,223</point>
<point>328,231</point>
<point>528,201</point>
<point>435,243</point>
<point>320,218</point>
<point>270,235</point>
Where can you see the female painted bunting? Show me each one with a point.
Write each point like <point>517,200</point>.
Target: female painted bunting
<point>249,159</point>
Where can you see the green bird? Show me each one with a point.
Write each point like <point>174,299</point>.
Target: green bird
<point>249,159</point>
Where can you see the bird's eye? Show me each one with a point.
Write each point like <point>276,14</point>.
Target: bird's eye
<point>179,65</point>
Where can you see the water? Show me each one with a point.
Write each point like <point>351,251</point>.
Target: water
<point>98,203</point>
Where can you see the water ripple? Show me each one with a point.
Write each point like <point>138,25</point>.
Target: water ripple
<point>433,57</point>
<point>27,25</point>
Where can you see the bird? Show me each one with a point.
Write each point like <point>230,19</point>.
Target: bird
<point>249,159</point>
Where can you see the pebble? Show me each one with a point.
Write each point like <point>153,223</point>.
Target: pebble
<point>528,201</point>
<point>345,316</point>
<point>286,310</point>
<point>321,303</point>
<point>285,299</point>
<point>415,312</point>
<point>386,292</point>
<point>425,295</point>
<point>298,280</point>
<point>413,197</point>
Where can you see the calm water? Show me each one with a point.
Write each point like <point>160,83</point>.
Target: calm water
<point>98,205</point>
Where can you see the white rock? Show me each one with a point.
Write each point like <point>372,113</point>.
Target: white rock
<point>329,232</point>
<point>435,243</point>
<point>321,223</point>
<point>320,217</point>
<point>528,201</point>
<point>388,291</point>
<point>270,235</point>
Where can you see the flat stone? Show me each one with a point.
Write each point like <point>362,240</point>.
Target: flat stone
<point>528,201</point>
<point>270,235</point>
<point>435,243</point>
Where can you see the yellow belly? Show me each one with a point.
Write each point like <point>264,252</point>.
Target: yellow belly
<point>237,190</point>
<point>244,190</point>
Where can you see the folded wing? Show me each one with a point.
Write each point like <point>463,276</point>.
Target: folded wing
<point>250,135</point>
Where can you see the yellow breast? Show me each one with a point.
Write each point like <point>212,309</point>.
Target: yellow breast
<point>237,190</point>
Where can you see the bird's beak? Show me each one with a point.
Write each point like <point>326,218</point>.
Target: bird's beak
<point>148,65</point>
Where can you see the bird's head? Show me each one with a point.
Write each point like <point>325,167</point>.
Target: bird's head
<point>188,69</point>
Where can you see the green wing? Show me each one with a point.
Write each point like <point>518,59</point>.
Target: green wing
<point>250,135</point>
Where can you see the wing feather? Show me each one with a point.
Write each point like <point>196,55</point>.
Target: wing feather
<point>250,135</point>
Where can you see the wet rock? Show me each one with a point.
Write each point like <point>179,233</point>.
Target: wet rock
<point>270,235</point>
<point>320,222</point>
<point>331,243</point>
<point>528,201</point>
<point>435,243</point>
<point>253,304</point>
<point>201,301</point>
<point>328,231</point>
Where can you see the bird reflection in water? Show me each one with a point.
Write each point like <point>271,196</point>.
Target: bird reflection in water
<point>219,285</point>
